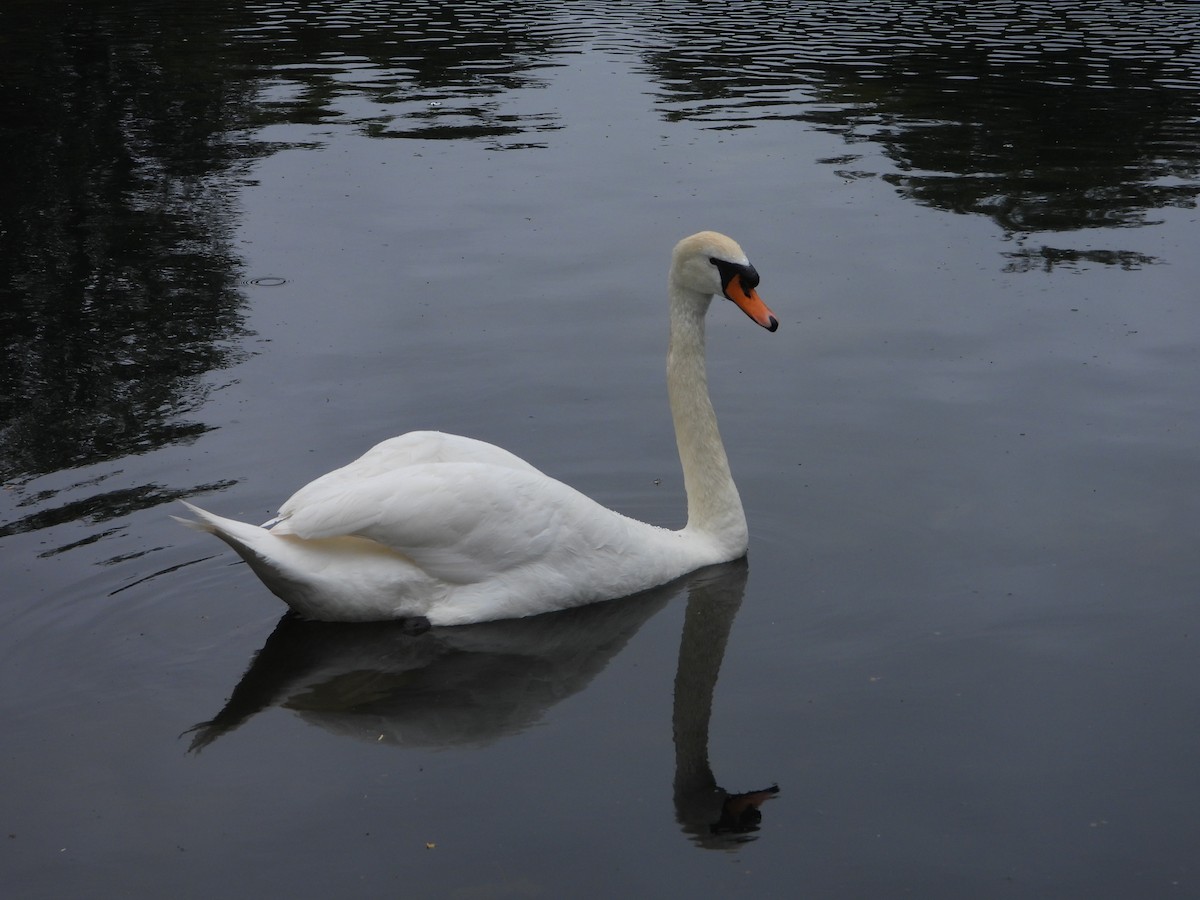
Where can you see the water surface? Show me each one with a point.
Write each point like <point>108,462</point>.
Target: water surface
<point>243,242</point>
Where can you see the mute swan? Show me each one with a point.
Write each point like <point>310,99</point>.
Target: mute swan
<point>446,530</point>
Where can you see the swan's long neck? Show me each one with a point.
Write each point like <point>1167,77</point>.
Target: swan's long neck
<point>714,507</point>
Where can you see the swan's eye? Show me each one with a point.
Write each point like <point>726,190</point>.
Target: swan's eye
<point>749,275</point>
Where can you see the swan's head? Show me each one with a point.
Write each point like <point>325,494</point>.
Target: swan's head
<point>710,263</point>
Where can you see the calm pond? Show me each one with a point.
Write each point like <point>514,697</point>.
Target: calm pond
<point>242,242</point>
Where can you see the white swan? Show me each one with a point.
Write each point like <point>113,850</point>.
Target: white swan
<point>448,530</point>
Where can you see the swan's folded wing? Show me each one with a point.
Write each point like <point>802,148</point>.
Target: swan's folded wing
<point>461,522</point>
<point>416,448</point>
<point>420,447</point>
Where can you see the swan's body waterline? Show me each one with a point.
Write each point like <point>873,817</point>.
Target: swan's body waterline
<point>455,530</point>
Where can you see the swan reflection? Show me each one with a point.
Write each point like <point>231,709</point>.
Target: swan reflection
<point>473,684</point>
<point>711,816</point>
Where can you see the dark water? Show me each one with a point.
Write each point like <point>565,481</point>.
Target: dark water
<point>242,242</point>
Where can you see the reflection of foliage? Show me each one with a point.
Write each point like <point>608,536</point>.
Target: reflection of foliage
<point>95,509</point>
<point>433,70</point>
<point>117,286</point>
<point>1046,259</point>
<point>117,282</point>
<point>1037,156</point>
<point>1042,117</point>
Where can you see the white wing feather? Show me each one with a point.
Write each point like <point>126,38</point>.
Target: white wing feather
<point>412,449</point>
<point>460,522</point>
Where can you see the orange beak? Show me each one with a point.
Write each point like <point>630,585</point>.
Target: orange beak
<point>750,304</point>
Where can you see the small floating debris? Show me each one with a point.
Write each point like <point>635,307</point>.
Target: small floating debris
<point>267,281</point>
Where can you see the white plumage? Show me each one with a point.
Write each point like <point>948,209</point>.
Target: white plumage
<point>453,530</point>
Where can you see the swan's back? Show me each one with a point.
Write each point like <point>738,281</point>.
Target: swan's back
<point>411,449</point>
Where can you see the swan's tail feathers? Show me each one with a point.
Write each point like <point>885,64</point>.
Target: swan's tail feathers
<point>245,539</point>
<point>204,521</point>
<point>267,554</point>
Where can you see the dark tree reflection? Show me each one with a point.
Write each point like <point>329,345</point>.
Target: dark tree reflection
<point>1043,117</point>
<point>1036,154</point>
<point>118,285</point>
<point>430,70</point>
<point>124,127</point>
